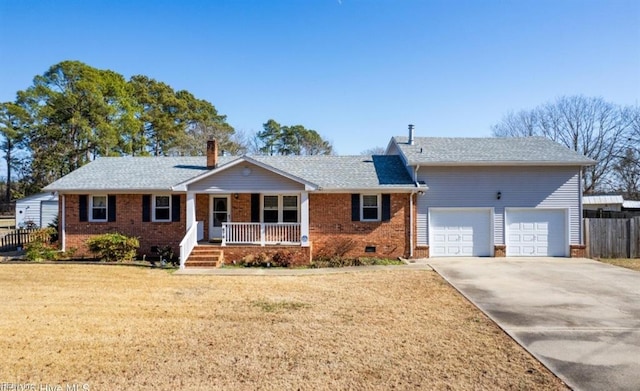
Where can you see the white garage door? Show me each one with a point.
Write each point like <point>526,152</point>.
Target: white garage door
<point>460,232</point>
<point>536,232</point>
<point>48,212</point>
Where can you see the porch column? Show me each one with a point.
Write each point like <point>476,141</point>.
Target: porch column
<point>62,222</point>
<point>191,209</point>
<point>304,219</point>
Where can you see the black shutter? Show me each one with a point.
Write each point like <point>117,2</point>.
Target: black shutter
<point>255,208</point>
<point>175,207</point>
<point>355,207</point>
<point>386,207</point>
<point>82,206</point>
<point>146,207</point>
<point>111,208</point>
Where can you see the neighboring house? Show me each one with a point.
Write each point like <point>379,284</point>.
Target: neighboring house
<point>38,210</point>
<point>603,202</point>
<point>425,197</point>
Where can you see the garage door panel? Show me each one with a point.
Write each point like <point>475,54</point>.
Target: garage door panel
<point>536,232</point>
<point>459,232</point>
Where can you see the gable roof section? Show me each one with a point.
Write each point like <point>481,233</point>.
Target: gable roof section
<point>248,159</point>
<point>439,151</point>
<point>327,173</point>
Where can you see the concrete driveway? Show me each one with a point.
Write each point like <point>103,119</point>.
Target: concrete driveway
<point>579,317</point>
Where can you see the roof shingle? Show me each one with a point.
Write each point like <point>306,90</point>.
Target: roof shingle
<point>161,173</point>
<point>488,150</point>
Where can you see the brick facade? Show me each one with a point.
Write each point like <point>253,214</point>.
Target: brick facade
<point>302,255</point>
<point>499,251</point>
<point>578,251</point>
<point>128,222</point>
<point>331,228</point>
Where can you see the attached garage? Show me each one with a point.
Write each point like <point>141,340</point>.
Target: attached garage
<point>536,232</point>
<point>460,232</point>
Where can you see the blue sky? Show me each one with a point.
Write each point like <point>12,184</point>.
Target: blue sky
<point>357,71</point>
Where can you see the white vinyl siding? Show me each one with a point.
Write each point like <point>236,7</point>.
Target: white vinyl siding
<point>48,212</point>
<point>520,187</point>
<point>39,209</point>
<point>246,178</point>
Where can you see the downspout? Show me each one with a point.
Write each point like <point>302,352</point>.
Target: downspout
<point>411,224</point>
<point>580,214</point>
<point>412,215</point>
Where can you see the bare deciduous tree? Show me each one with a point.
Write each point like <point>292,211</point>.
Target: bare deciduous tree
<point>591,126</point>
<point>374,151</point>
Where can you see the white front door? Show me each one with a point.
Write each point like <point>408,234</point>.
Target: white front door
<point>220,213</point>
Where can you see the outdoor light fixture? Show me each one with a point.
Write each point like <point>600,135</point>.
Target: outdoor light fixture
<point>499,195</point>
<point>235,195</point>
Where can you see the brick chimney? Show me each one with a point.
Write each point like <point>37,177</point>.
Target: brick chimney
<point>212,153</point>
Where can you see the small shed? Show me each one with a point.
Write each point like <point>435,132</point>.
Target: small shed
<point>37,210</point>
<point>603,202</point>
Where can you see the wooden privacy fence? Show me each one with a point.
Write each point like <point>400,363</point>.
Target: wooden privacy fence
<point>612,238</point>
<point>19,237</point>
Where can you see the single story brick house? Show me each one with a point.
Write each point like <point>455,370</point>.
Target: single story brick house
<point>424,197</point>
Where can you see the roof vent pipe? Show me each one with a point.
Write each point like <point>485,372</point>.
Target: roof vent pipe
<point>411,139</point>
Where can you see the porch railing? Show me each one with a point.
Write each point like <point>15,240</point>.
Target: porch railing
<point>260,233</point>
<point>187,244</point>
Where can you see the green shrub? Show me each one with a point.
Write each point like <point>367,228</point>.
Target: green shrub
<point>114,247</point>
<point>40,248</point>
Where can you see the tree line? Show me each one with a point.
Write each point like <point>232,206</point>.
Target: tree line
<point>603,131</point>
<point>74,113</point>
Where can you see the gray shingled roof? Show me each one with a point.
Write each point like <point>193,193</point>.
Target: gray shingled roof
<point>132,173</point>
<point>461,151</point>
<point>343,172</point>
<point>161,173</point>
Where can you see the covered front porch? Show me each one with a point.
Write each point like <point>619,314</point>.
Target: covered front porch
<point>240,222</point>
<point>245,203</point>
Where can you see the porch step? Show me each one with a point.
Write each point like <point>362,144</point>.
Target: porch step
<point>205,256</point>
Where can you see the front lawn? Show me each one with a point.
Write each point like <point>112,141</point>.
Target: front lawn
<point>633,264</point>
<point>114,327</point>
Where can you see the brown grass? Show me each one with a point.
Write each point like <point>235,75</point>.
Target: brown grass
<point>115,327</point>
<point>633,264</point>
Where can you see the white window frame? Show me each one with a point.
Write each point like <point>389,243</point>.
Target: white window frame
<point>106,208</point>
<point>280,207</point>
<point>154,208</point>
<point>283,208</point>
<point>378,207</point>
